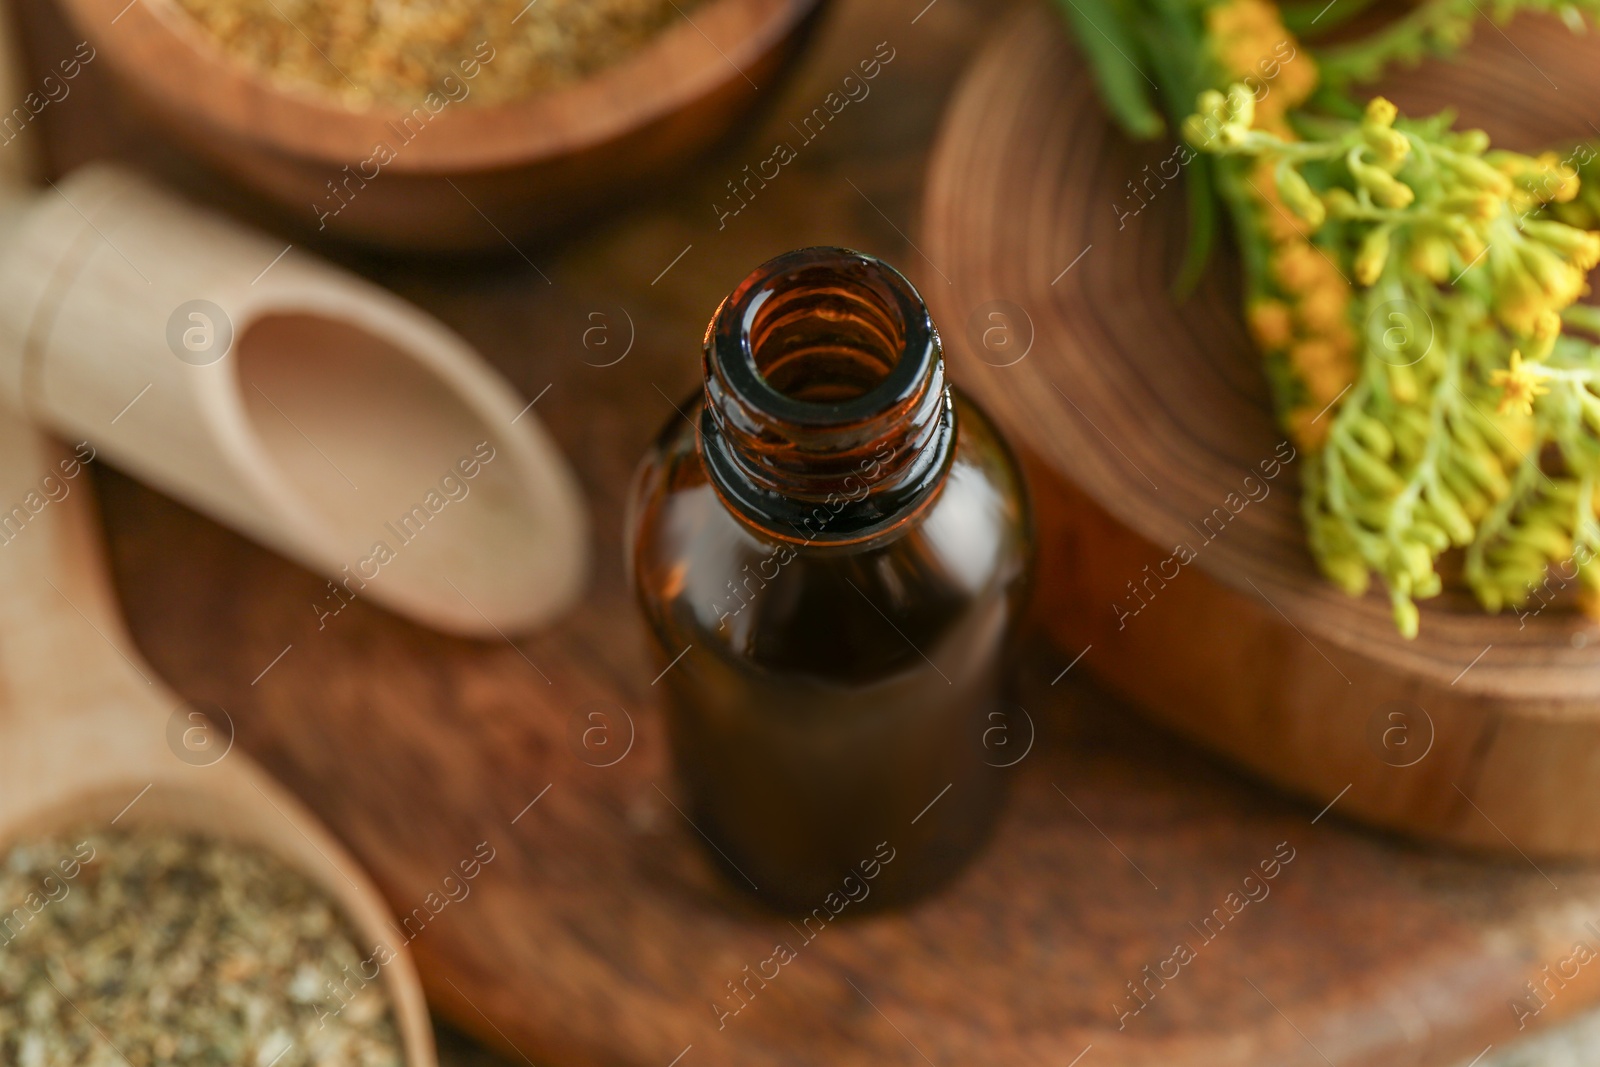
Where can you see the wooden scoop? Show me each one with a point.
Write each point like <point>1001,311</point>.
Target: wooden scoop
<point>89,735</point>
<point>313,411</point>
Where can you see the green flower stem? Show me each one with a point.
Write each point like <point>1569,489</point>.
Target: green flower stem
<point>1113,53</point>
<point>1432,27</point>
<point>1308,20</point>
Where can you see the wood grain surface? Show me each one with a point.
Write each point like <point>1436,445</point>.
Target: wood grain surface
<point>1158,412</point>
<point>600,933</point>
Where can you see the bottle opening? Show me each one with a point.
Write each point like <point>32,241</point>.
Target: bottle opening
<point>824,340</point>
<point>827,415</point>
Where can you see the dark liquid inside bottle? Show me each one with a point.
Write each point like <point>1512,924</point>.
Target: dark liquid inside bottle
<point>843,546</point>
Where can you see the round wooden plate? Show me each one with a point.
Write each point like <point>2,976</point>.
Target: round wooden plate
<point>1058,239</point>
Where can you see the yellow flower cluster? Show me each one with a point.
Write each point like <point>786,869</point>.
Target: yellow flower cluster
<point>1541,269</point>
<point>1249,42</point>
<point>1535,181</point>
<point>1309,326</point>
<point>1537,267</point>
<point>1536,278</point>
<point>1303,316</point>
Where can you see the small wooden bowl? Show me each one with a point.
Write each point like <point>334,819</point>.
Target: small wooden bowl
<point>471,177</point>
<point>90,738</point>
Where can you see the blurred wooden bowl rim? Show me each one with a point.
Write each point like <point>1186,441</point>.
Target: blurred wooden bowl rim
<point>465,178</point>
<point>178,63</point>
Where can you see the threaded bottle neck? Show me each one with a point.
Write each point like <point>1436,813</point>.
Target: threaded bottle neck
<point>827,414</point>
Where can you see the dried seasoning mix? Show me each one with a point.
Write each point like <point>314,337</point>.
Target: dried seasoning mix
<point>158,947</point>
<point>401,51</point>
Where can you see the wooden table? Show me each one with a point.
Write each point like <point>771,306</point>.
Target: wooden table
<point>600,934</point>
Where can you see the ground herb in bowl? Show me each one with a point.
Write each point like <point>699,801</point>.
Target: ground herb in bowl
<point>160,947</point>
<point>399,51</point>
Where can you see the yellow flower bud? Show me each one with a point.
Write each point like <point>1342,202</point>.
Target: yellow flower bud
<point>1589,602</point>
<point>1296,79</point>
<point>1479,207</point>
<point>1448,511</point>
<point>1211,115</point>
<point>1427,585</point>
<point>1560,185</point>
<point>1407,619</point>
<point>1518,301</point>
<point>1468,242</point>
<point>1342,337</point>
<point>1297,195</point>
<point>1372,256</point>
<point>1578,212</point>
<point>1380,113</point>
<point>1390,146</point>
<point>1429,256</point>
<point>1295,266</point>
<point>1375,437</point>
<point>1477,173</point>
<point>1511,164</point>
<point>1414,559</point>
<point>1346,571</point>
<point>1402,382</point>
<point>1323,309</point>
<point>1454,32</point>
<point>1589,575</point>
<point>1198,131</point>
<point>1562,283</point>
<point>1545,330</point>
<point>1580,247</point>
<point>1587,256</point>
<point>1281,226</point>
<point>1393,193</point>
<point>1386,189</point>
<point>1339,203</point>
<point>1309,427</point>
<point>1367,468</point>
<point>1270,324</point>
<point>1241,104</point>
<point>1325,375</point>
<point>1312,354</point>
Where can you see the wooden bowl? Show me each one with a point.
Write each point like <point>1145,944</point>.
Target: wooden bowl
<point>90,738</point>
<point>470,177</point>
<point>1155,416</point>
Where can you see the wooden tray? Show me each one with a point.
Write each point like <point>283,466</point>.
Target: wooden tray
<point>1483,731</point>
<point>599,933</point>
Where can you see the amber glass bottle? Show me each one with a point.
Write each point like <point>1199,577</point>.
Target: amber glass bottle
<point>842,544</point>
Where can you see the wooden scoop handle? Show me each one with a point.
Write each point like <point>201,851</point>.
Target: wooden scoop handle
<point>81,718</point>
<point>59,631</point>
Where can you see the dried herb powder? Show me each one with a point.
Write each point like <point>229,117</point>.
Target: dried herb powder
<point>400,51</point>
<point>159,947</point>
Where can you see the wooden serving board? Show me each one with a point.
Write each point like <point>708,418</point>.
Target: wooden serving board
<point>599,933</point>
<point>1189,574</point>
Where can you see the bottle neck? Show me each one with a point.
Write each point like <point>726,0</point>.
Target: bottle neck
<point>827,415</point>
